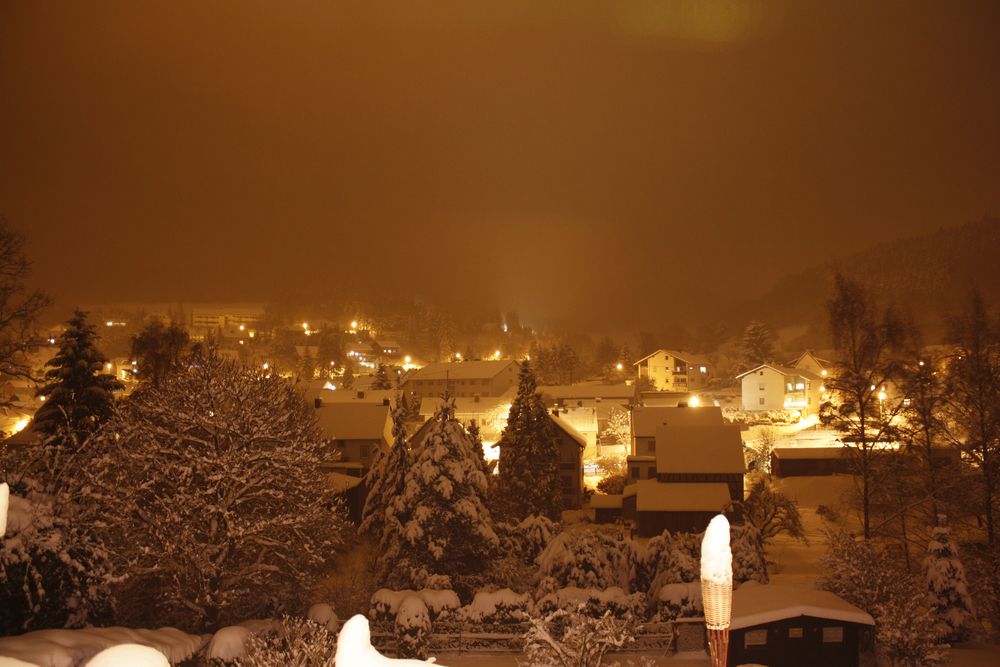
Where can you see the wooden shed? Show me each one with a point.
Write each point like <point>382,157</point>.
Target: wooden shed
<point>785,626</point>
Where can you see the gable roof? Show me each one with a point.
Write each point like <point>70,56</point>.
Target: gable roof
<point>355,421</point>
<point>645,420</point>
<point>823,363</point>
<point>784,370</point>
<point>699,449</point>
<point>757,604</point>
<point>568,429</point>
<point>653,496</point>
<point>693,359</point>
<point>462,370</point>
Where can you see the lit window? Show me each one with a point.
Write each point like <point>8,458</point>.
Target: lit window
<point>800,386</point>
<point>795,633</point>
<point>755,638</point>
<point>704,369</point>
<point>833,635</point>
<point>789,386</point>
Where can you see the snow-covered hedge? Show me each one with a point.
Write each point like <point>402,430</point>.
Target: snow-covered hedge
<point>594,602</point>
<point>69,648</point>
<point>385,603</point>
<point>760,417</point>
<point>497,607</point>
<point>413,628</point>
<point>590,557</point>
<point>682,600</point>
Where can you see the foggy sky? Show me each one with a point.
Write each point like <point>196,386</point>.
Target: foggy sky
<point>576,161</point>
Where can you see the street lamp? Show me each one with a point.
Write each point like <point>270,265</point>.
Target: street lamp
<point>717,587</point>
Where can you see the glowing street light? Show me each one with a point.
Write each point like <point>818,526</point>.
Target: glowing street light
<point>497,354</point>
<point>458,355</point>
<point>354,324</point>
<point>694,401</point>
<point>243,327</point>
<point>619,366</point>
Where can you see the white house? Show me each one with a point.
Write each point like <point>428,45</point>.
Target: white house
<point>774,387</point>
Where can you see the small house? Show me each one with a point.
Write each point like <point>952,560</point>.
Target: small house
<point>774,387</point>
<point>672,370</point>
<point>784,626</point>
<point>354,430</point>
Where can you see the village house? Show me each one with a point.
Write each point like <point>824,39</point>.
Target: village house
<point>462,378</point>
<point>671,370</point>
<point>487,413</point>
<point>587,406</point>
<point>808,361</point>
<point>571,447</point>
<point>354,431</point>
<point>774,387</point>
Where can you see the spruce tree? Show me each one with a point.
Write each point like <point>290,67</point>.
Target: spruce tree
<point>756,345</point>
<point>386,477</point>
<point>477,448</point>
<point>947,590</point>
<point>442,526</point>
<point>78,393</point>
<point>529,456</point>
<point>381,378</point>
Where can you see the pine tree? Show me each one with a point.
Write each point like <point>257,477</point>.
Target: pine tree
<point>78,394</point>
<point>477,449</point>
<point>386,478</point>
<point>444,527</point>
<point>948,592</point>
<point>529,456</point>
<point>756,345</point>
<point>381,378</point>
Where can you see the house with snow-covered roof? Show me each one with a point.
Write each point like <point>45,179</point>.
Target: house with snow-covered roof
<point>808,361</point>
<point>786,626</point>
<point>462,378</point>
<point>673,370</point>
<point>354,431</point>
<point>775,387</point>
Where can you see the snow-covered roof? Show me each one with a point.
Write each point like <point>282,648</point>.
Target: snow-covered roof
<point>715,448</point>
<point>354,421</point>
<point>340,482</point>
<point>757,604</point>
<point>653,496</point>
<point>823,363</point>
<point>605,501</point>
<point>569,430</point>
<point>811,452</point>
<point>692,359</point>
<point>784,370</point>
<point>646,420</point>
<point>462,370</point>
<point>386,343</point>
<point>588,390</point>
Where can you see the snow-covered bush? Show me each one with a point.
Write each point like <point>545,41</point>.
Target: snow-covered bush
<point>594,602</point>
<point>760,417</point>
<point>323,613</point>
<point>681,600</point>
<point>297,642</point>
<point>668,559</point>
<point>947,590</point>
<point>574,639</point>
<point>749,561</point>
<point>497,607</point>
<point>207,490</point>
<point>531,535</point>
<point>385,603</point>
<point>905,633</point>
<point>53,573</point>
<point>413,628</point>
<point>587,558</point>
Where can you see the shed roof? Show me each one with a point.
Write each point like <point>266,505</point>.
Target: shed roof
<point>653,496</point>
<point>699,449</point>
<point>757,604</point>
<point>812,453</point>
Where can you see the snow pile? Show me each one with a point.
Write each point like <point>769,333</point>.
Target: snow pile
<point>385,603</point>
<point>228,643</point>
<point>129,655</point>
<point>68,648</point>
<point>323,614</point>
<point>354,648</point>
<point>502,606</point>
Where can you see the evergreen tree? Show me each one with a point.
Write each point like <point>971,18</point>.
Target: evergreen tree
<point>756,345</point>
<point>78,392</point>
<point>529,456</point>
<point>347,379</point>
<point>477,449</point>
<point>158,349</point>
<point>381,378</point>
<point>386,477</point>
<point>443,529</point>
<point>948,592</point>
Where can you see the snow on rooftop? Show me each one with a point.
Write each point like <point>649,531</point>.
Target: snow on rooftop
<point>605,501</point>
<point>654,496</point>
<point>340,482</point>
<point>462,370</point>
<point>811,452</point>
<point>569,430</point>
<point>699,449</point>
<point>784,370</point>
<point>354,421</point>
<point>68,648</point>
<point>645,420</point>
<point>757,604</point>
<point>588,390</point>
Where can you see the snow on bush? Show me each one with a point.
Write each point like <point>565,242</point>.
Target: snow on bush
<point>413,628</point>
<point>209,491</point>
<point>531,535</point>
<point>905,633</point>
<point>502,606</point>
<point>228,643</point>
<point>296,642</point>
<point>668,559</point>
<point>681,600</point>
<point>593,602</point>
<point>947,590</point>
<point>586,558</point>
<point>70,648</point>
<point>760,417</point>
<point>565,638</point>
<point>385,603</point>
<point>323,614</point>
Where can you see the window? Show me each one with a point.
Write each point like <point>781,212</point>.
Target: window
<point>795,633</point>
<point>651,472</point>
<point>651,447</point>
<point>761,386</point>
<point>754,638</point>
<point>366,451</point>
<point>762,400</point>
<point>634,472</point>
<point>567,483</point>
<point>704,369</point>
<point>789,385</point>
<point>833,635</point>
<point>800,386</point>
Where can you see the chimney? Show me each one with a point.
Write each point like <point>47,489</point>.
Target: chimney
<point>317,402</point>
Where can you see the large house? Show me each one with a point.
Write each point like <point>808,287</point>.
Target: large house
<point>462,378</point>
<point>774,387</point>
<point>354,430</point>
<point>689,470</point>
<point>671,370</point>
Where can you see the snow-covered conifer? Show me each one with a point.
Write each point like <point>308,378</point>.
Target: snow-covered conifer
<point>947,590</point>
<point>382,380</point>
<point>386,477</point>
<point>529,456</point>
<point>444,527</point>
<point>208,490</point>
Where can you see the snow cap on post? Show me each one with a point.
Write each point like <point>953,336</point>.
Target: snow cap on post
<point>717,573</point>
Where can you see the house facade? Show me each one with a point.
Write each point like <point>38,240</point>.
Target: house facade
<point>774,387</point>
<point>672,370</point>
<point>354,432</point>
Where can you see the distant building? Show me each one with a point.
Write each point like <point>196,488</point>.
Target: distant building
<point>672,370</point>
<point>774,387</point>
<point>386,350</point>
<point>462,378</point>
<point>354,431</point>
<point>587,405</point>
<point>808,361</point>
<point>232,320</point>
<point>488,413</point>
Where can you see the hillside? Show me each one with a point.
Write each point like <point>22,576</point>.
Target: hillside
<point>927,276</point>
